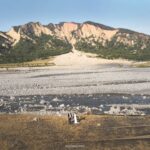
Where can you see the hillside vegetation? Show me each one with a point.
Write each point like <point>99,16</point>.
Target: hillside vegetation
<point>114,49</point>
<point>42,47</point>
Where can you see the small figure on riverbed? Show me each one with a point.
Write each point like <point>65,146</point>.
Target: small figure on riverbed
<point>72,118</point>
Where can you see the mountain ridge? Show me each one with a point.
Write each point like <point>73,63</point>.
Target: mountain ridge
<point>33,38</point>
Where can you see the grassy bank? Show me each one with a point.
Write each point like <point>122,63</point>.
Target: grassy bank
<point>35,63</point>
<point>94,133</point>
<point>143,65</point>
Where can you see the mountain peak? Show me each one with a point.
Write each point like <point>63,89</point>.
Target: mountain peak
<point>99,25</point>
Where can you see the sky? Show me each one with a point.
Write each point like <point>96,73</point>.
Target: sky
<point>130,14</point>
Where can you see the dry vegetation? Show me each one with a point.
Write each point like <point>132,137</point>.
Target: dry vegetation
<point>142,64</point>
<point>20,132</point>
<point>35,63</point>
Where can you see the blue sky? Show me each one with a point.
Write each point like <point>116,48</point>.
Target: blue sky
<point>131,14</point>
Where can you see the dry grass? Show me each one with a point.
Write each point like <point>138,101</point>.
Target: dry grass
<point>142,65</point>
<point>35,63</point>
<point>20,132</point>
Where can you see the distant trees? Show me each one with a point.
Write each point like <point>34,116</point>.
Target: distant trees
<point>114,49</point>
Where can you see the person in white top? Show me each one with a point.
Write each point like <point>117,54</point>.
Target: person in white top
<point>75,119</point>
<point>72,118</point>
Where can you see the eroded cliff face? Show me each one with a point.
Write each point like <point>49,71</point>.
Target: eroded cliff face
<point>88,30</point>
<point>73,32</point>
<point>67,31</point>
<point>14,35</point>
<point>6,42</point>
<point>70,31</point>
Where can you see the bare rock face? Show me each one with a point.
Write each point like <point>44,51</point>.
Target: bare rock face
<point>88,30</point>
<point>36,29</point>
<point>75,31</point>
<point>72,32</point>
<point>5,41</point>
<point>27,30</point>
<point>66,30</point>
<point>14,35</point>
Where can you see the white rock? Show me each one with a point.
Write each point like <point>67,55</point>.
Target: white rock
<point>42,102</point>
<point>61,105</point>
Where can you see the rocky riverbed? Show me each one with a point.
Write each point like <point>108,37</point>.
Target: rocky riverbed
<point>93,89</point>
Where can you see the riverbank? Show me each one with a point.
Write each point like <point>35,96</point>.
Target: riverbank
<point>94,132</point>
